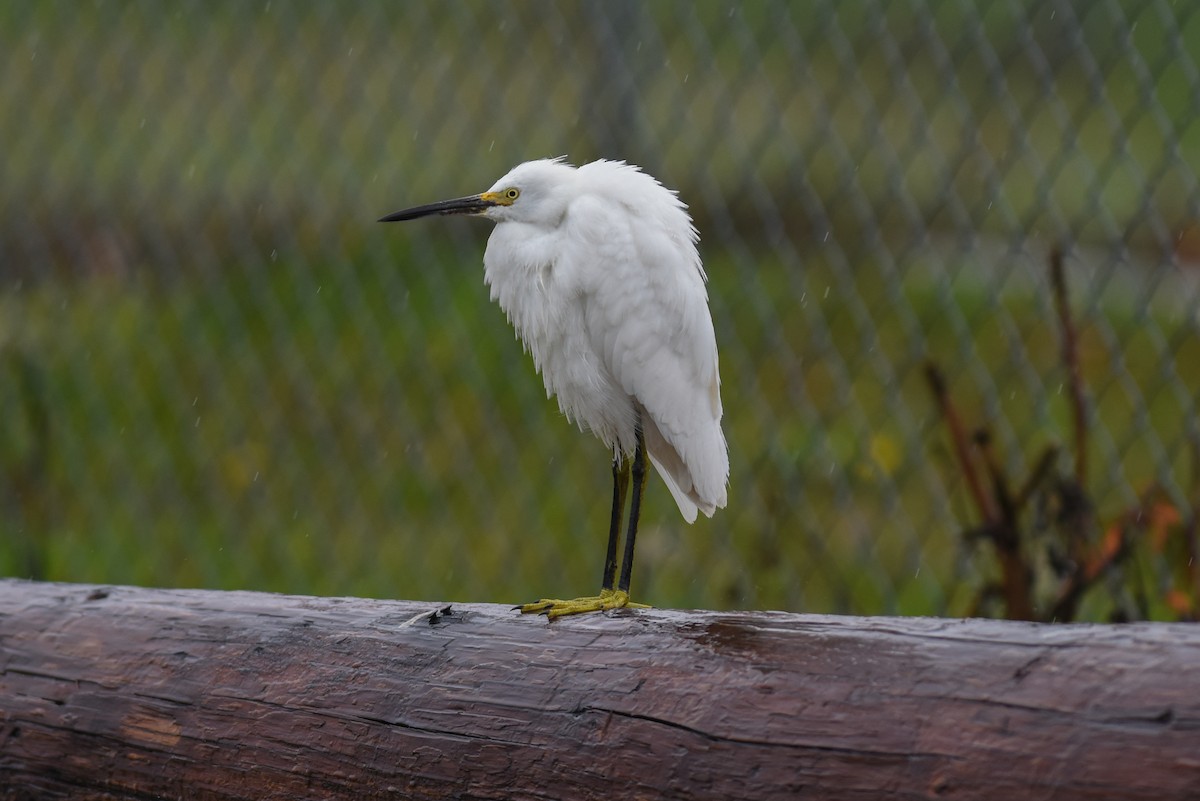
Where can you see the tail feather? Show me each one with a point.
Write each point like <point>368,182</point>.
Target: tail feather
<point>678,477</point>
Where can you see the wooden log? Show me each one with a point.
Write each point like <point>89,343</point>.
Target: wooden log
<point>128,693</point>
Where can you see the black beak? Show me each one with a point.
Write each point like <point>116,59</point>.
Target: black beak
<point>475,204</point>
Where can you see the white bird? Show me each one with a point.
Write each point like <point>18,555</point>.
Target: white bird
<point>597,269</point>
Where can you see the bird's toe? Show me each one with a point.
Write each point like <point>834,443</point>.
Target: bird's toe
<point>556,607</point>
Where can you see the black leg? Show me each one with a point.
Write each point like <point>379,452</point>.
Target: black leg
<point>620,469</point>
<point>635,506</point>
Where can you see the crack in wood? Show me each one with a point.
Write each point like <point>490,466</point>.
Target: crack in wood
<point>237,696</point>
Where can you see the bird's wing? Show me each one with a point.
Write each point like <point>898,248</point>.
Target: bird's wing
<point>646,313</point>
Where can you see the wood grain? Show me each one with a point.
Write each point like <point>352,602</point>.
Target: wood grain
<point>130,693</point>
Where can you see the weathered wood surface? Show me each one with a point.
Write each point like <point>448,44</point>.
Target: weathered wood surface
<point>128,693</point>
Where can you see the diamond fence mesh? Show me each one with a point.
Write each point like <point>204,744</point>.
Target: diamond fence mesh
<point>217,370</point>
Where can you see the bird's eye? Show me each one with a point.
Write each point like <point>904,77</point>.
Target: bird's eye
<point>513,193</point>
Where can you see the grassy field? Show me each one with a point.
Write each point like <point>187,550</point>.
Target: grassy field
<point>342,429</point>
<point>216,370</point>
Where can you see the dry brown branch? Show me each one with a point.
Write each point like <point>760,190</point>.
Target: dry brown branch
<point>961,444</point>
<point>1070,357</point>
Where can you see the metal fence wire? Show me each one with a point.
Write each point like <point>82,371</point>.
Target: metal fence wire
<point>217,370</point>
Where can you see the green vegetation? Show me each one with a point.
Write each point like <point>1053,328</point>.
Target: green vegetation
<point>216,371</point>
<point>373,429</point>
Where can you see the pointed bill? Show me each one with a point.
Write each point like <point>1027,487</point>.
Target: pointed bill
<point>473,204</point>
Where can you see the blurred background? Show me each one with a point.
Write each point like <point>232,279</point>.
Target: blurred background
<point>216,369</point>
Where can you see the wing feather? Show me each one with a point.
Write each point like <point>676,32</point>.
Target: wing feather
<point>647,318</point>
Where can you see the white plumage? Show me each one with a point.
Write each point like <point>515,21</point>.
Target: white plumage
<point>597,270</point>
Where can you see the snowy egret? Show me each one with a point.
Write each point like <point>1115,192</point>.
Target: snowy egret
<point>597,269</point>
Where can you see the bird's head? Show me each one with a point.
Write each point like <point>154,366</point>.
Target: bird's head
<point>531,192</point>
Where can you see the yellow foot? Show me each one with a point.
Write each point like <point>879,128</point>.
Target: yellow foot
<point>607,599</point>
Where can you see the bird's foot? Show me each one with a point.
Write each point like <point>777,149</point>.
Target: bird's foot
<point>555,607</point>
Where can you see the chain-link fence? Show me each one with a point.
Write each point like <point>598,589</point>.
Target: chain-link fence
<point>217,370</point>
